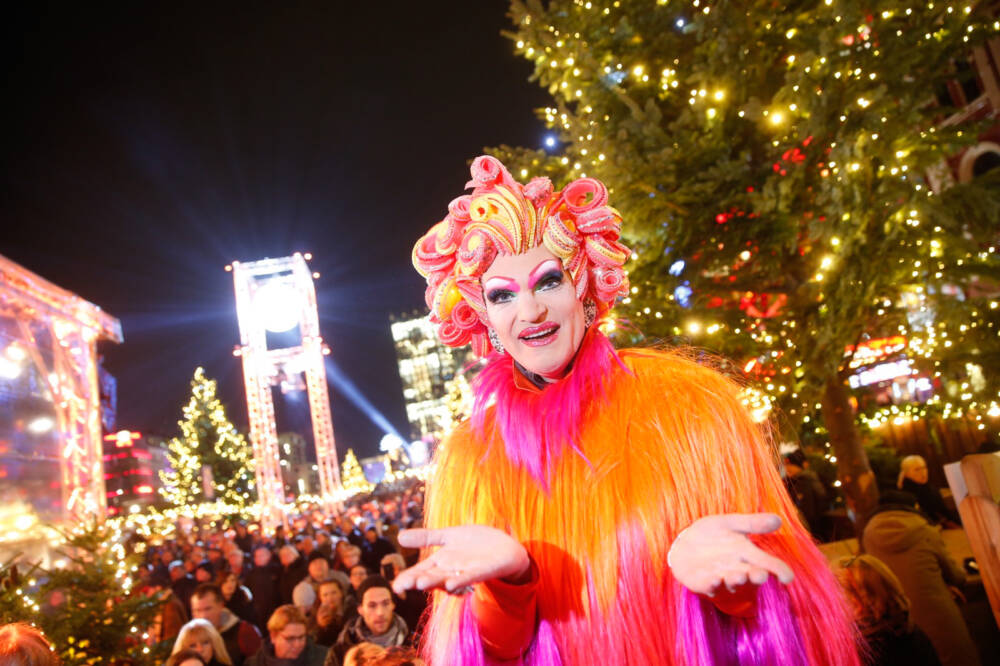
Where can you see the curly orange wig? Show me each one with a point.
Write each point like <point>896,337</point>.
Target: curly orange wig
<point>501,216</point>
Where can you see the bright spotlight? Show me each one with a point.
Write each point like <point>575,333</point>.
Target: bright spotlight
<point>277,306</point>
<point>41,425</point>
<point>550,141</point>
<point>391,442</point>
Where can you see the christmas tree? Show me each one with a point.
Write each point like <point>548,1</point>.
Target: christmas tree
<point>210,453</point>
<point>782,172</point>
<point>352,475</point>
<point>87,608</point>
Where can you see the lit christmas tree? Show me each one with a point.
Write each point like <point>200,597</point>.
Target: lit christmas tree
<point>210,452</point>
<point>781,170</point>
<point>88,608</point>
<point>352,476</point>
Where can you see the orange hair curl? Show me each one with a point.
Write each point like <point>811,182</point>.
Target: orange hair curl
<point>501,216</point>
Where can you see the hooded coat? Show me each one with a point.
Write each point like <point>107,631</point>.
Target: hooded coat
<point>914,551</point>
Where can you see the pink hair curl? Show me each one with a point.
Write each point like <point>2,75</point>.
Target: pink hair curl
<point>503,217</point>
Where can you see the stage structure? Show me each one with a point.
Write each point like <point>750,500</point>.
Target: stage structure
<point>49,390</point>
<point>277,296</point>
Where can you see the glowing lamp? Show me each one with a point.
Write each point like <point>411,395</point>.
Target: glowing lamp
<point>41,425</point>
<point>9,369</point>
<point>277,306</point>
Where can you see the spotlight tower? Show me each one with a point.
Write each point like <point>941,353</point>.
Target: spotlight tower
<point>277,295</point>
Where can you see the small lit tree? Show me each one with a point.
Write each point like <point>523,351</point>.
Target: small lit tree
<point>352,475</point>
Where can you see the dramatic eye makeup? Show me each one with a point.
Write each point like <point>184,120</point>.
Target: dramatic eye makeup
<point>500,289</point>
<point>546,275</point>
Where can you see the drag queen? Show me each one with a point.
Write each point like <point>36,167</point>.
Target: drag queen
<point>599,507</point>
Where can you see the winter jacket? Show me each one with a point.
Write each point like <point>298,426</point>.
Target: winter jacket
<point>915,552</point>
<point>311,655</point>
<point>242,639</point>
<point>356,631</point>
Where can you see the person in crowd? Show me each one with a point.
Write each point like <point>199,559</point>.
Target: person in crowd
<point>237,564</point>
<point>185,658</point>
<point>327,616</point>
<point>242,638</point>
<point>24,645</point>
<point>410,604</point>
<point>203,638</point>
<point>376,622</point>
<point>293,570</point>
<point>239,599</point>
<point>362,654</point>
<point>900,536</point>
<point>808,493</point>
<point>324,544</point>
<point>401,655</point>
<point>280,537</point>
<point>182,583</point>
<point>196,556</point>
<point>305,545</point>
<point>349,556</point>
<point>288,642</point>
<point>882,614</point>
<point>304,594</point>
<point>914,478</point>
<point>350,531</point>
<point>375,548</point>
<point>243,539</point>
<point>171,614</point>
<point>262,581</point>
<point>205,572</point>
<point>594,489</point>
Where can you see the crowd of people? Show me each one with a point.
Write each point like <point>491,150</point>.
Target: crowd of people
<point>315,593</point>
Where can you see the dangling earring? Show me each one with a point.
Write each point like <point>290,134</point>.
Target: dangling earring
<point>589,312</point>
<point>495,340</point>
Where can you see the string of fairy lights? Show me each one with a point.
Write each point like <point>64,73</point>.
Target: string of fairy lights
<point>599,65</point>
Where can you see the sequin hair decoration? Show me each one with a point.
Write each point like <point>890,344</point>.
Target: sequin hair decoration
<point>501,216</point>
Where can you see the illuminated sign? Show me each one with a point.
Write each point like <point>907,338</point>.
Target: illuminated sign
<point>122,438</point>
<point>880,373</point>
<point>871,351</point>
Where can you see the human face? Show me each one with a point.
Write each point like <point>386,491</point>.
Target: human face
<point>331,596</point>
<point>358,575</point>
<point>201,644</point>
<point>918,472</point>
<point>318,569</point>
<point>376,609</point>
<point>532,305</point>
<point>290,641</point>
<point>207,608</point>
<point>229,586</point>
<point>351,558</point>
<point>262,557</point>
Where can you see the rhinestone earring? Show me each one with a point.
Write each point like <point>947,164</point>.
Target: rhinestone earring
<point>495,340</point>
<point>589,312</point>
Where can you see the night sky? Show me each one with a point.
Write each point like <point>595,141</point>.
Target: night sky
<point>147,147</point>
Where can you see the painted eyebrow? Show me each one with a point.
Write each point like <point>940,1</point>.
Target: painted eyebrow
<point>541,269</point>
<point>502,283</point>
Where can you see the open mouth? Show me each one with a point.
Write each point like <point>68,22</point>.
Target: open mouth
<point>539,335</point>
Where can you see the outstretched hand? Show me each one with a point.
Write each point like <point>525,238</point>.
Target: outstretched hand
<point>715,551</point>
<point>468,554</point>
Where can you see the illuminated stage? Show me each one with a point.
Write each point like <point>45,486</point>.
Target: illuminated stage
<point>50,405</point>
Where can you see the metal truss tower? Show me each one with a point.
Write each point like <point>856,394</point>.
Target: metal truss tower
<point>59,333</point>
<point>277,295</point>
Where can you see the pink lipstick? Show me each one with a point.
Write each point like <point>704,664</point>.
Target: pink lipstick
<point>538,336</point>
